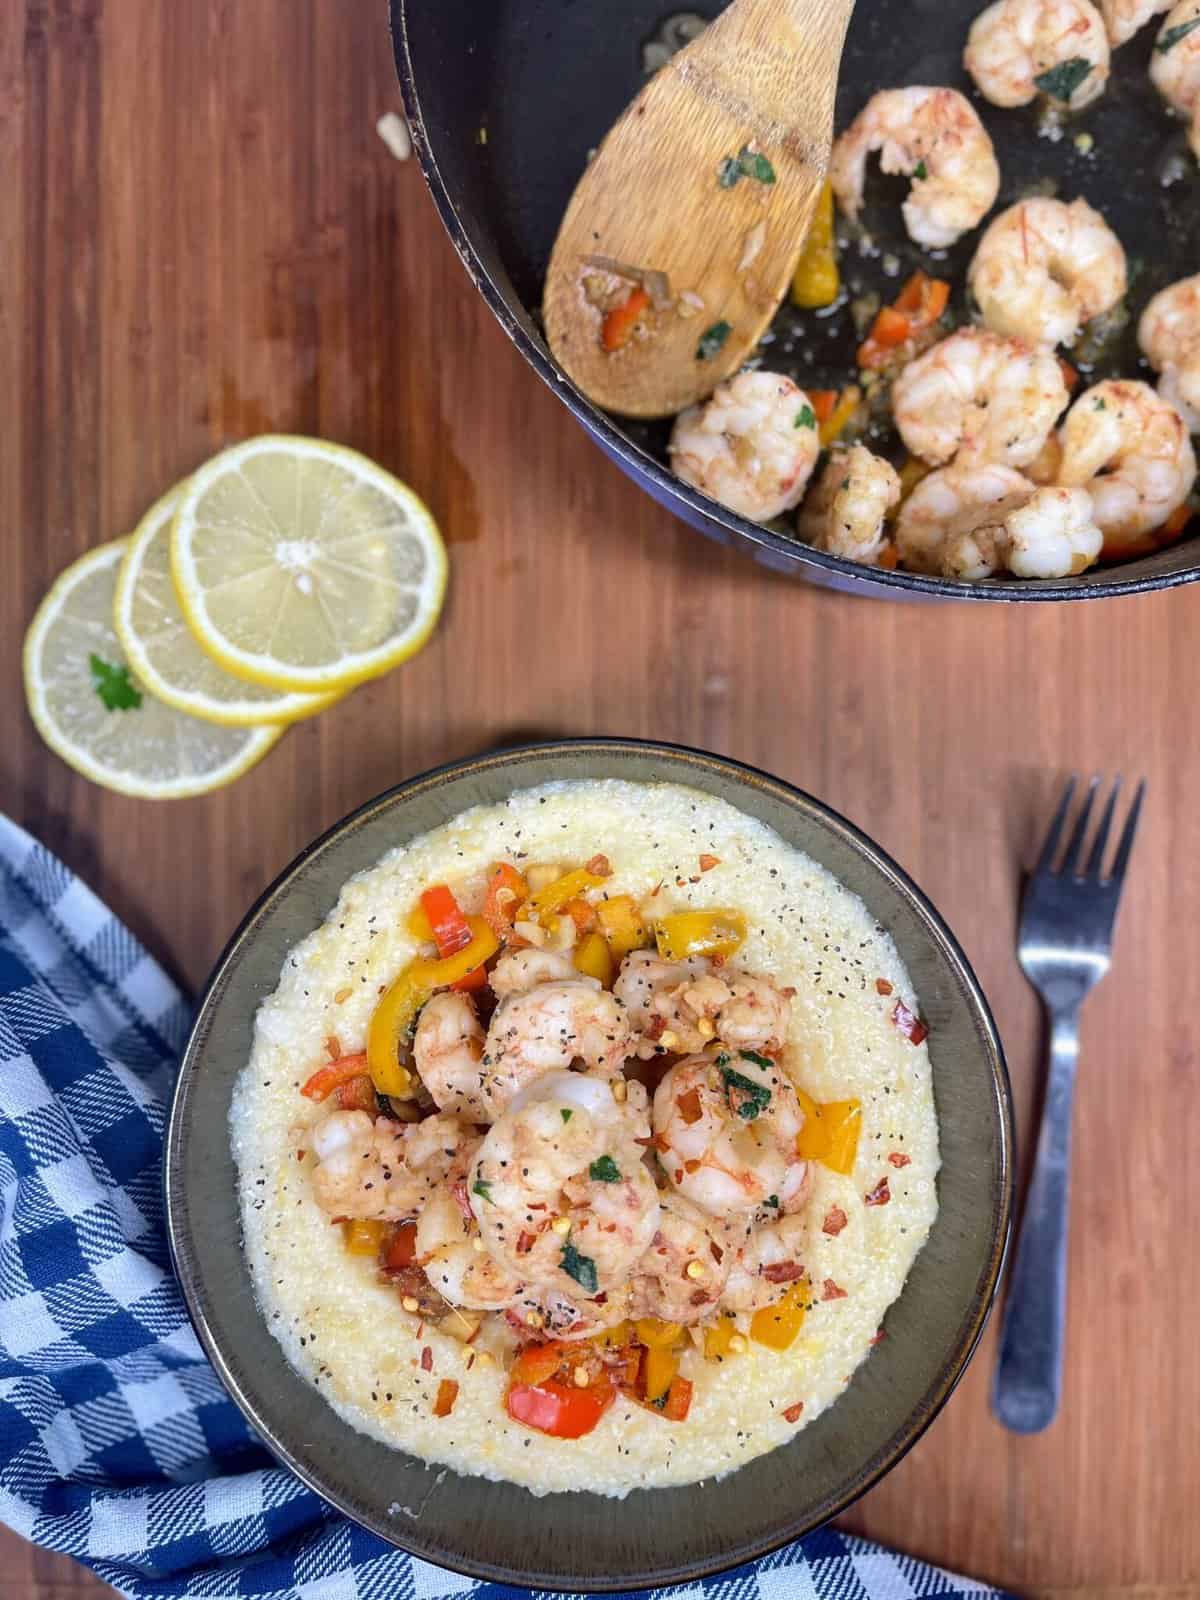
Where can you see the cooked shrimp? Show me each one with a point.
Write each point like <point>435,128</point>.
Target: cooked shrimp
<point>374,1167</point>
<point>726,1127</point>
<point>1175,65</point>
<point>1169,334</point>
<point>683,1005</point>
<point>447,1046</point>
<point>522,970</point>
<point>977,397</point>
<point>752,445</point>
<point>1018,48</point>
<point>683,1273</point>
<point>1043,268</point>
<point>767,1262</point>
<point>448,1248</point>
<point>561,1190</point>
<point>549,1027</point>
<point>844,512</point>
<point>948,508</point>
<point>1053,535</point>
<point>934,136</point>
<point>1131,451</point>
<point>1123,18</point>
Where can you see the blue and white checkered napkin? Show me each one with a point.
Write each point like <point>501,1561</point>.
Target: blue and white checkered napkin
<point>119,1445</point>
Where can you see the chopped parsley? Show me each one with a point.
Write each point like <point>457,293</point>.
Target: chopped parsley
<point>113,685</point>
<point>1173,35</point>
<point>723,1059</point>
<point>806,417</point>
<point>581,1268</point>
<point>565,1114</point>
<point>773,1200</point>
<point>1061,81</point>
<point>759,1061</point>
<point>747,1098</point>
<point>1100,405</point>
<point>605,1170</point>
<point>746,164</point>
<point>711,340</point>
<point>483,1190</point>
<point>920,170</point>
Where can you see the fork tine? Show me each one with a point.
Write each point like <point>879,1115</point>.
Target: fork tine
<point>1125,847</point>
<point>1050,848</point>
<point>1100,843</point>
<point>1075,848</point>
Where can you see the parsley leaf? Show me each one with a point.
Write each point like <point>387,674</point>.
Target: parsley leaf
<point>581,1268</point>
<point>565,1114</point>
<point>605,1170</point>
<point>1173,35</point>
<point>483,1190</point>
<point>751,1098</point>
<point>113,685</point>
<point>711,340</point>
<point>1061,81</point>
<point>920,170</point>
<point>773,1200</point>
<point>746,164</point>
<point>764,1062</point>
<point>728,172</point>
<point>1099,405</point>
<point>806,417</point>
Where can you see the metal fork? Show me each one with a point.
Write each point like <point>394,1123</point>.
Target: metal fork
<point>1065,948</point>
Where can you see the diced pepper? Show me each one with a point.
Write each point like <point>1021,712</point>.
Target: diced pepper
<point>699,933</point>
<point>830,1132</point>
<point>363,1236</point>
<point>679,1400</point>
<point>357,1094</point>
<point>835,425</point>
<point>891,327</point>
<point>451,930</point>
<point>594,958</point>
<point>816,281</point>
<point>419,925</point>
<point>918,306</point>
<point>537,1362</point>
<point>400,1247</point>
<point>555,895</point>
<point>398,1008</point>
<point>622,924</point>
<point>617,328</point>
<point>823,402</point>
<point>447,1394</point>
<point>333,1074</point>
<point>613,1338</point>
<point>582,913</point>
<point>506,891</point>
<point>777,1326</point>
<point>658,1369</point>
<point>656,1334</point>
<point>923,299</point>
<point>718,1337</point>
<point>559,1409</point>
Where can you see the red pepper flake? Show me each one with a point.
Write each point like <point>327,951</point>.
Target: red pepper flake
<point>715,1250</point>
<point>879,1336</point>
<point>880,1194</point>
<point>527,1240</point>
<point>910,1025</point>
<point>300,1154</point>
<point>792,1414</point>
<point>426,1359</point>
<point>656,1027</point>
<point>899,1159</point>
<point>447,1394</point>
<point>831,1291</point>
<point>689,1106</point>
<point>783,1272</point>
<point>707,862</point>
<point>599,866</point>
<point>882,986</point>
<point>333,1047</point>
<point>691,1166</point>
<point>835,1220</point>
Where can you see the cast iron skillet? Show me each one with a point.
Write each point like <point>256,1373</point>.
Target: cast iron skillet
<point>505,99</point>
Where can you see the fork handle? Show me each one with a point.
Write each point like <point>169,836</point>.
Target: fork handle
<point>1028,1380</point>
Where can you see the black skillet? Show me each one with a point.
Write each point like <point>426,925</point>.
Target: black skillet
<point>506,98</point>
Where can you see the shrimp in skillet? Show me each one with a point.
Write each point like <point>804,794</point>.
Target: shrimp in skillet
<point>938,530</point>
<point>1124,18</point>
<point>844,512</point>
<point>1017,49</point>
<point>1169,334</point>
<point>752,445</point>
<point>1175,65</point>
<point>1053,535</point>
<point>934,137</point>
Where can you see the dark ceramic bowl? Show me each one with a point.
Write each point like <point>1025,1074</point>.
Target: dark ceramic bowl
<point>581,1541</point>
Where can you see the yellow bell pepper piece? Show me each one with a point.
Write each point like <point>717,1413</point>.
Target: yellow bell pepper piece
<point>816,281</point>
<point>555,895</point>
<point>363,1236</point>
<point>699,933</point>
<point>659,1367</point>
<point>658,1335</point>
<point>594,958</point>
<point>613,1338</point>
<point>830,1132</point>
<point>623,925</point>
<point>848,403</point>
<point>419,925</point>
<point>398,1008</point>
<point>777,1326</point>
<point>718,1339</point>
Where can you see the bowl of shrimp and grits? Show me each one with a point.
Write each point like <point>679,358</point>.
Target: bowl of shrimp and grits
<point>591,1165</point>
<point>984,381</point>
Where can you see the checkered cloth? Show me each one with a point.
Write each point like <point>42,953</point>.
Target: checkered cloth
<point>120,1447</point>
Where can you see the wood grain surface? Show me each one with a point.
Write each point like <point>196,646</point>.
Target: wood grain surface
<point>202,238</point>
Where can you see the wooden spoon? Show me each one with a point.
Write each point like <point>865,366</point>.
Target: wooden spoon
<point>697,202</point>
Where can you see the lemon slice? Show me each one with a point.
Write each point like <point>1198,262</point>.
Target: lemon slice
<point>92,712</point>
<point>303,566</point>
<point>161,650</point>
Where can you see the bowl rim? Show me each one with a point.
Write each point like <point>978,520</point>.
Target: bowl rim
<point>873,581</point>
<point>982,1298</point>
